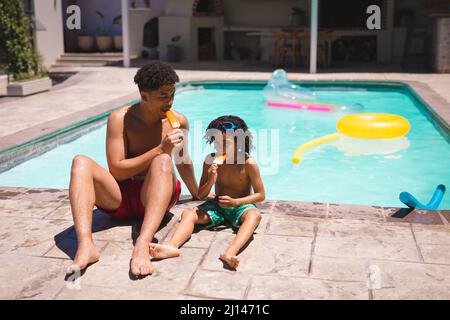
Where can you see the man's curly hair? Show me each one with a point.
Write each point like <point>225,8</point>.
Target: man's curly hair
<point>154,75</point>
<point>240,124</point>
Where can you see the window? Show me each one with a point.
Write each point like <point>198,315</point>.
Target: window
<point>332,15</point>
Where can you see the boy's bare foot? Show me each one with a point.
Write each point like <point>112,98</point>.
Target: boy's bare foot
<point>231,261</point>
<point>163,251</point>
<point>140,261</point>
<point>86,255</point>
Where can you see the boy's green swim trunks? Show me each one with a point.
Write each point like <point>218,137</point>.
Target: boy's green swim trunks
<point>218,214</point>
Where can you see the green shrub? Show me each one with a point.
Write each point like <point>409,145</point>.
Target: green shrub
<point>22,61</point>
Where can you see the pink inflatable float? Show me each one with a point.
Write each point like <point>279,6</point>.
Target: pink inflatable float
<point>301,105</point>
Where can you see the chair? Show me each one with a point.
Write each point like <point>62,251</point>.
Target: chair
<point>323,48</point>
<point>287,44</point>
<point>413,59</point>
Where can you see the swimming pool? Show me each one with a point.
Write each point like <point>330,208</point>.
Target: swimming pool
<point>325,173</point>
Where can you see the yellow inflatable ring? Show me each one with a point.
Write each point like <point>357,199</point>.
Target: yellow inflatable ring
<point>373,126</point>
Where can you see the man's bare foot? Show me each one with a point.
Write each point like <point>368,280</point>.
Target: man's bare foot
<point>140,261</point>
<point>163,251</point>
<point>86,255</point>
<point>231,261</point>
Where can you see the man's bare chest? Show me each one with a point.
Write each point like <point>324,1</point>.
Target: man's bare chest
<point>140,138</point>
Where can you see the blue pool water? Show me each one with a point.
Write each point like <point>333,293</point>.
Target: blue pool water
<point>325,174</point>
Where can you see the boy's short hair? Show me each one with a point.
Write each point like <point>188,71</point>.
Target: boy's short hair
<point>154,75</point>
<point>225,123</point>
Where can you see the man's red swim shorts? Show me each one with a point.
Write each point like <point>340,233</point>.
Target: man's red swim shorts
<point>131,206</point>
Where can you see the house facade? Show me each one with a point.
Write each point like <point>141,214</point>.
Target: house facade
<point>196,30</point>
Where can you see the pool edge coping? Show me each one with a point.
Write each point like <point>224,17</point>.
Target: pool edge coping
<point>303,209</point>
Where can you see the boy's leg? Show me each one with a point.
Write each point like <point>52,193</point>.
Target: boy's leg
<point>189,218</point>
<point>250,220</point>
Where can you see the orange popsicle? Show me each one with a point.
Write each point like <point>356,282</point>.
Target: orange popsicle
<point>172,119</point>
<point>220,159</point>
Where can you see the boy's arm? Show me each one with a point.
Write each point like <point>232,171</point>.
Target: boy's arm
<point>257,184</point>
<point>207,180</point>
<point>184,162</point>
<point>120,167</point>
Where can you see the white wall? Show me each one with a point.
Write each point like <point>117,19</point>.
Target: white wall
<point>179,7</point>
<point>187,28</point>
<point>137,19</point>
<point>49,43</point>
<point>170,26</point>
<point>3,84</point>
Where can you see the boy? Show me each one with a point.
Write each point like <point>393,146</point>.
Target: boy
<point>233,180</point>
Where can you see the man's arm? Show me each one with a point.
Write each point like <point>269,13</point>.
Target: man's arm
<point>120,167</point>
<point>184,162</point>
<point>207,181</point>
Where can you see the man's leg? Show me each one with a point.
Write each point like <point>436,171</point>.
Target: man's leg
<point>189,218</point>
<point>250,220</point>
<point>157,190</point>
<point>89,184</point>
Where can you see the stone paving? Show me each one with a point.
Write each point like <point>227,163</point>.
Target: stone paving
<point>299,251</point>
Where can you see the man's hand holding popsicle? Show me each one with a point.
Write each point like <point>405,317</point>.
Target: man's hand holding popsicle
<point>175,137</point>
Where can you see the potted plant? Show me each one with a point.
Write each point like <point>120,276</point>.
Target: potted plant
<point>174,50</point>
<point>297,17</point>
<point>117,39</point>
<point>86,43</point>
<point>26,72</point>
<point>104,40</point>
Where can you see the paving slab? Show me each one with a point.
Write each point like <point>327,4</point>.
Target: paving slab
<point>445,215</point>
<point>273,287</point>
<point>29,236</point>
<point>407,281</point>
<point>86,292</point>
<point>218,285</point>
<point>355,212</point>
<point>265,254</point>
<point>267,206</point>
<point>48,194</point>
<point>435,253</point>
<point>10,192</point>
<point>439,235</point>
<point>63,212</point>
<point>24,277</point>
<point>340,269</point>
<point>366,240</point>
<point>366,229</point>
<point>416,216</point>
<point>113,270</point>
<point>289,225</point>
<point>304,209</point>
<point>200,239</point>
<point>26,208</point>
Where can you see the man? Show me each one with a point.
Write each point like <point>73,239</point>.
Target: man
<point>141,182</point>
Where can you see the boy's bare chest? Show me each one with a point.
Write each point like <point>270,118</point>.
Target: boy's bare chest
<point>233,176</point>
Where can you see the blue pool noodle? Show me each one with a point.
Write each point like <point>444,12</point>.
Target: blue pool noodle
<point>408,199</point>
